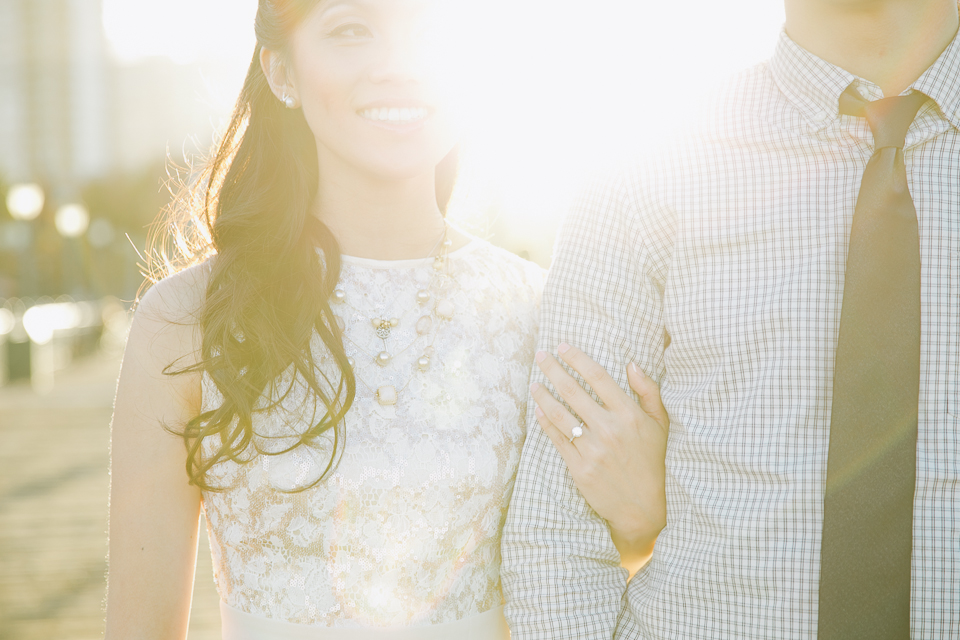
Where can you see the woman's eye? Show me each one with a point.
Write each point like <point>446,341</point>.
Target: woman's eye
<point>351,30</point>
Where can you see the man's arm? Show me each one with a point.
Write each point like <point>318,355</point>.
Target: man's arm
<point>562,575</point>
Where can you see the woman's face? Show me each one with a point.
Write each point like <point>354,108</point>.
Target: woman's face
<point>362,71</point>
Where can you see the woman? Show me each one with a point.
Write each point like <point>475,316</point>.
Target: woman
<point>347,371</point>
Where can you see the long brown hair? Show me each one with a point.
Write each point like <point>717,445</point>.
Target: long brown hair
<point>268,291</point>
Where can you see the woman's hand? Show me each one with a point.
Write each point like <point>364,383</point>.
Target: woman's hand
<point>618,461</point>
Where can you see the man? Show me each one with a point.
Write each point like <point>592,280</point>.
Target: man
<point>807,342</point>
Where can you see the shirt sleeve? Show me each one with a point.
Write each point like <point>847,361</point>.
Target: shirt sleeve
<point>561,572</point>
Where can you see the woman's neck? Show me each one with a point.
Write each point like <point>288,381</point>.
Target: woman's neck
<point>888,42</point>
<point>380,219</point>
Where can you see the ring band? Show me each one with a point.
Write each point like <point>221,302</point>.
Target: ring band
<point>576,432</point>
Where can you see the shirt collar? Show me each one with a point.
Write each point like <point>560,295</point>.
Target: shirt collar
<point>941,82</point>
<point>813,85</point>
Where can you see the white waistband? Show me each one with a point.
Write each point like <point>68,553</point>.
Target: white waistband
<point>238,625</point>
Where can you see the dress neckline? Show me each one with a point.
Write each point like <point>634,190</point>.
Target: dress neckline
<point>374,263</point>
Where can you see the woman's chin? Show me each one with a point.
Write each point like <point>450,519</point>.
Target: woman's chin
<point>402,166</point>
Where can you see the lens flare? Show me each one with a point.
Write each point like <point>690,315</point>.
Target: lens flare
<point>547,95</point>
<point>25,201</point>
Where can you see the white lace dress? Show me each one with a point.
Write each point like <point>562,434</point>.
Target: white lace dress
<point>405,534</point>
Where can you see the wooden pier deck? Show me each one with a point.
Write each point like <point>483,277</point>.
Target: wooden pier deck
<point>53,510</point>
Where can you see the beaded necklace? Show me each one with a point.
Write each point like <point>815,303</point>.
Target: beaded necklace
<point>427,325</point>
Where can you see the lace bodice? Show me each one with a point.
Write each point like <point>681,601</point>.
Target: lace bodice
<point>406,531</point>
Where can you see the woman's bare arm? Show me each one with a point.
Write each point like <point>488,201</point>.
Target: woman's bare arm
<point>154,511</point>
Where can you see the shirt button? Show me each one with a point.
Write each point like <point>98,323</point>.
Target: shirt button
<point>821,116</point>
<point>864,92</point>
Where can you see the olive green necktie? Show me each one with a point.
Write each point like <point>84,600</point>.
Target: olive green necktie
<point>871,467</point>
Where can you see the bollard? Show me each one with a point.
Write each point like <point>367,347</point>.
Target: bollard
<point>7,323</point>
<point>17,347</point>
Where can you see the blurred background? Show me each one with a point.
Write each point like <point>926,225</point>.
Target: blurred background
<point>99,98</point>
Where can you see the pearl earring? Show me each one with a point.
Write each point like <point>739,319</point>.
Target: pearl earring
<point>289,101</point>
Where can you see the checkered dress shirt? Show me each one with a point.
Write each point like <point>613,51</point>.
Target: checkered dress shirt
<point>718,267</point>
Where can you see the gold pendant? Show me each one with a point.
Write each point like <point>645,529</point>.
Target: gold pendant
<point>383,326</point>
<point>387,395</point>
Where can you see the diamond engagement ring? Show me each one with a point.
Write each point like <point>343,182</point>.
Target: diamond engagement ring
<point>576,432</point>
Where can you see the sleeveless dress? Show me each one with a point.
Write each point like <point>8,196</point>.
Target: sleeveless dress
<point>402,540</point>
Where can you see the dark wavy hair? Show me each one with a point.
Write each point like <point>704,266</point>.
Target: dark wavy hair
<point>248,211</point>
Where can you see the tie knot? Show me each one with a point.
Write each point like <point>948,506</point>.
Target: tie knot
<point>889,118</point>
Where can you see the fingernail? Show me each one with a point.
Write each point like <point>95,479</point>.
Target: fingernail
<point>563,348</point>
<point>534,387</point>
<point>634,368</point>
<point>539,412</point>
<point>540,356</point>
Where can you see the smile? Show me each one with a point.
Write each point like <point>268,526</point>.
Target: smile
<point>399,115</point>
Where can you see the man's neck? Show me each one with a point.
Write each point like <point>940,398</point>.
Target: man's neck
<point>888,42</point>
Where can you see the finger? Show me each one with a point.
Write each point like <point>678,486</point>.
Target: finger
<point>570,390</point>
<point>565,448</point>
<point>554,410</point>
<point>595,375</point>
<point>649,394</point>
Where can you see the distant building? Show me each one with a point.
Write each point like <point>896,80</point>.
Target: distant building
<point>84,125</point>
<point>54,93</point>
<point>70,113</point>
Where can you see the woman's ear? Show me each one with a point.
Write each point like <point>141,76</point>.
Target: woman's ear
<point>278,77</point>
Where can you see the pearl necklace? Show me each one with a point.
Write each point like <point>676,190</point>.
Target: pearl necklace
<point>426,324</point>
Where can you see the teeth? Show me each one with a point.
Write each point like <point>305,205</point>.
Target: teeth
<point>394,114</point>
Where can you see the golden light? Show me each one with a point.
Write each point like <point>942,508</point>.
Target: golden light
<point>7,321</point>
<point>72,220</point>
<point>42,321</point>
<point>567,89</point>
<point>548,93</point>
<point>25,201</point>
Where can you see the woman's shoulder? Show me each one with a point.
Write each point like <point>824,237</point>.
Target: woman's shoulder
<point>165,338</point>
<point>166,321</point>
<point>177,298</point>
